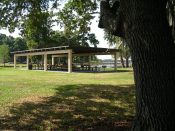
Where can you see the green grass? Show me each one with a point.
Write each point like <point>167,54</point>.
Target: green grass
<point>38,100</point>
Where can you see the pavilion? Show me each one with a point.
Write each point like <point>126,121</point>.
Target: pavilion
<point>67,51</point>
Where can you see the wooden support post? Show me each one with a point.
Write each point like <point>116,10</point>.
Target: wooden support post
<point>45,62</point>
<point>15,61</point>
<point>70,61</point>
<point>115,61</point>
<point>27,62</point>
<point>53,60</point>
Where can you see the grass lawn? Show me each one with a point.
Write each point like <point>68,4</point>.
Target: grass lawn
<point>38,100</point>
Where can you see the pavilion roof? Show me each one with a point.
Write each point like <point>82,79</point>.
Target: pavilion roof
<point>75,50</point>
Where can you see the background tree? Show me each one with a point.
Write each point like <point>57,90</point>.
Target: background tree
<point>37,29</point>
<point>3,38</point>
<point>34,20</point>
<point>14,44</point>
<point>58,38</point>
<point>8,40</point>
<point>14,12</point>
<point>119,43</point>
<point>124,53</point>
<point>31,17</point>
<point>76,18</point>
<point>4,53</point>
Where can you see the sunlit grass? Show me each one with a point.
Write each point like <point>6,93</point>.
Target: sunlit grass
<point>38,100</point>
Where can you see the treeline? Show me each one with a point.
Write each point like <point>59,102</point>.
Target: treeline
<point>14,44</point>
<point>10,44</point>
<point>57,38</point>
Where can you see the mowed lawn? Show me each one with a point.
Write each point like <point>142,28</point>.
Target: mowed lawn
<point>38,100</point>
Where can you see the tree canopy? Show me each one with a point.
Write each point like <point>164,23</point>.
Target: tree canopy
<point>76,18</point>
<point>35,20</point>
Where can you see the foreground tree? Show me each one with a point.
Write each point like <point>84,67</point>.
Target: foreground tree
<point>171,15</point>
<point>144,25</point>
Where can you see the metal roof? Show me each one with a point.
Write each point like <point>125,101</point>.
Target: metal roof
<point>75,50</point>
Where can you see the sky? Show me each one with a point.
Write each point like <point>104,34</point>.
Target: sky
<point>100,36</point>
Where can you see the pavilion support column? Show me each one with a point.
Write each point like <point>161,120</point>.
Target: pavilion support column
<point>53,60</point>
<point>15,57</point>
<point>70,61</point>
<point>27,62</point>
<point>45,62</point>
<point>115,61</point>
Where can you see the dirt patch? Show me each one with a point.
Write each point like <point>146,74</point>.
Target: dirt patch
<point>33,99</point>
<point>111,126</point>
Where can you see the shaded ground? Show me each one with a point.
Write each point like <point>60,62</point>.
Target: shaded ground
<point>75,107</point>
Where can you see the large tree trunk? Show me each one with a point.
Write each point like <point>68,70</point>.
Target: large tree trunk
<point>144,25</point>
<point>149,38</point>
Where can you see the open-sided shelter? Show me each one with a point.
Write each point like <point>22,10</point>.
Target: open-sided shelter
<point>65,51</point>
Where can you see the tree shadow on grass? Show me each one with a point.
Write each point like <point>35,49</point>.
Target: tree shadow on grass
<point>75,107</point>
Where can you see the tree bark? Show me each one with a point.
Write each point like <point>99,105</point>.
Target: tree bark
<point>122,61</point>
<point>127,62</point>
<point>149,38</point>
<point>145,27</point>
